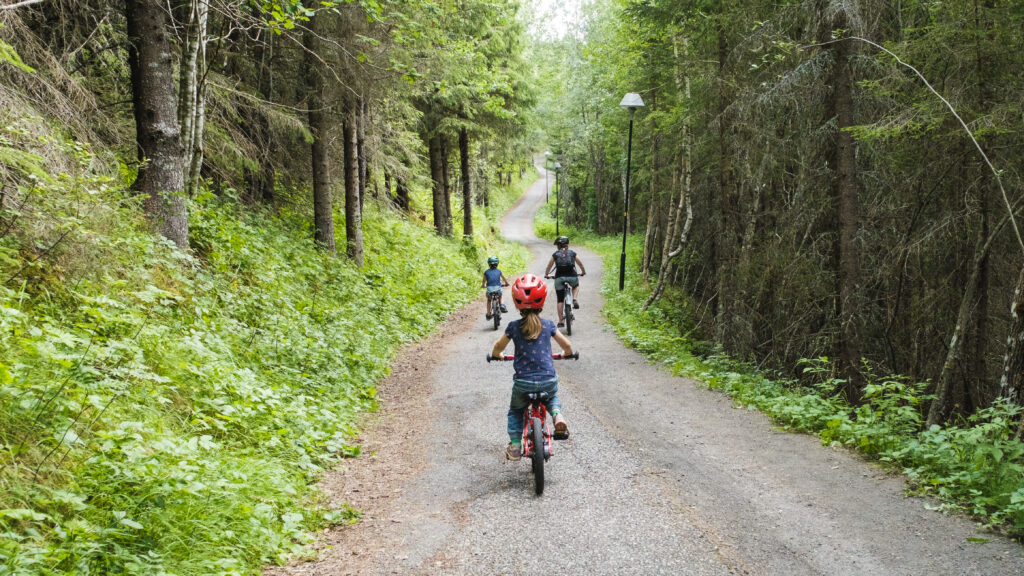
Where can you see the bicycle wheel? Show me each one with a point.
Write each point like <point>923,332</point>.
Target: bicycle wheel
<point>568,314</point>
<point>496,312</point>
<point>537,431</point>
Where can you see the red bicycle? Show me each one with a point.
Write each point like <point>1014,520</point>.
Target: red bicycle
<point>536,433</point>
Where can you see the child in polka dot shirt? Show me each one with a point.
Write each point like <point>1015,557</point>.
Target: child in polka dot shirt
<point>534,368</point>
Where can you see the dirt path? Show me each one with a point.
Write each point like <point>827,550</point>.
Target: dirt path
<point>660,475</point>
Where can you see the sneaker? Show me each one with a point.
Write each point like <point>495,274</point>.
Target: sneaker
<point>503,309</point>
<point>561,428</point>
<point>576,305</point>
<point>489,316</point>
<point>512,452</point>
<point>561,323</point>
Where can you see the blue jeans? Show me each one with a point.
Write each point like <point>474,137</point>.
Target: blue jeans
<point>519,402</point>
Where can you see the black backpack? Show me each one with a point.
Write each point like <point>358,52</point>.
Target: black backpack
<point>565,260</point>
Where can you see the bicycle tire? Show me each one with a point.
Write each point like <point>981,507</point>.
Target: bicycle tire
<point>568,314</point>
<point>497,317</point>
<point>537,430</point>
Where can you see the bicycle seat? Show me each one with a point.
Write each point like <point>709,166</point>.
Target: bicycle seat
<point>535,396</point>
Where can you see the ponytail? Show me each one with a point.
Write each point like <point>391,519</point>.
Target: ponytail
<point>530,327</point>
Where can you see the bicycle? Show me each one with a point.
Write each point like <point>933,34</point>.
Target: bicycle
<point>494,298</point>
<point>567,313</point>
<point>535,426</point>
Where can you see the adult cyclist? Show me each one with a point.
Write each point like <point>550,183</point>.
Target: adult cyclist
<point>564,262</point>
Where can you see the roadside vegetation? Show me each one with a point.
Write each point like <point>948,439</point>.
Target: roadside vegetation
<point>214,236</point>
<point>974,465</point>
<point>165,412</point>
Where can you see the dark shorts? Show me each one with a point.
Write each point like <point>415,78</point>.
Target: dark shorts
<point>560,283</point>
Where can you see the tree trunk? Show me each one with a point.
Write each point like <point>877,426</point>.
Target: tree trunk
<point>944,398</point>
<point>192,89</point>
<point>727,207</point>
<point>442,224</point>
<point>467,185</point>
<point>669,254</point>
<point>401,195</point>
<point>261,179</point>
<point>846,195</point>
<point>681,180</point>
<point>161,175</point>
<point>323,218</point>
<point>353,187</point>
<point>363,170</point>
<point>655,212</point>
<point>446,180</point>
<point>1012,382</point>
<point>978,391</point>
<point>650,237</point>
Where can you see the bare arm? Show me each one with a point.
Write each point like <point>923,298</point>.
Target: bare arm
<point>500,345</point>
<point>583,271</point>
<point>551,264</point>
<point>563,342</point>
<point>504,281</point>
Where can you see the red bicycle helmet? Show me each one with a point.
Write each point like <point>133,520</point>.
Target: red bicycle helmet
<point>529,292</point>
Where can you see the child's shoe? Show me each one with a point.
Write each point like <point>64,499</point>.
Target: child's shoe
<point>561,428</point>
<point>503,309</point>
<point>489,316</point>
<point>575,305</point>
<point>513,452</point>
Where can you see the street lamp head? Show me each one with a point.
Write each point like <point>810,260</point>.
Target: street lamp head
<point>547,152</point>
<point>558,165</point>
<point>631,102</point>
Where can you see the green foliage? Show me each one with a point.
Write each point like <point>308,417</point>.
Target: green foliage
<point>975,466</point>
<point>162,413</point>
<point>10,55</point>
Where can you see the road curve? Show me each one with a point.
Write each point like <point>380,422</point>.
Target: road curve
<point>660,476</point>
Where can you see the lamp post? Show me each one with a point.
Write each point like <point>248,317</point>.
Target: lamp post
<point>631,102</point>
<point>558,190</point>
<point>546,196</point>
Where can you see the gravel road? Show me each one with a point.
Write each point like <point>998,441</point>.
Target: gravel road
<point>660,476</point>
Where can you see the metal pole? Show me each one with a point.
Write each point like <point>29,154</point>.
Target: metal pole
<point>625,215</point>
<point>545,180</point>
<point>558,191</point>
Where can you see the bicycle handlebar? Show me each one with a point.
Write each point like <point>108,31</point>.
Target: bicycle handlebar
<point>509,357</point>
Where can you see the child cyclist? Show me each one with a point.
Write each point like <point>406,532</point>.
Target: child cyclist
<point>493,281</point>
<point>534,368</point>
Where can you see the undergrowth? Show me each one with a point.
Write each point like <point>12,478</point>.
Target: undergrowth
<point>974,466</point>
<point>166,413</point>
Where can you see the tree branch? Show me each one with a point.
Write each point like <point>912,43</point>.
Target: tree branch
<point>20,4</point>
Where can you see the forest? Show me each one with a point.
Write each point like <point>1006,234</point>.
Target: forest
<point>812,179</point>
<point>221,219</point>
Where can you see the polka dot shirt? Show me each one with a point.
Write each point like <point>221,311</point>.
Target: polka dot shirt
<point>533,357</point>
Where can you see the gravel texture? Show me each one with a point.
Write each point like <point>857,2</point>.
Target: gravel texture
<point>659,476</point>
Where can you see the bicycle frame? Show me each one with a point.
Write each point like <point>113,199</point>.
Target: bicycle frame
<point>535,409</point>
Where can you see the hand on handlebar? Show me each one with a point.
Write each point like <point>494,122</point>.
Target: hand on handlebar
<point>507,358</point>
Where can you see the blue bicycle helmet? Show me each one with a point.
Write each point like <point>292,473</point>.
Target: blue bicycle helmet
<point>492,261</point>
